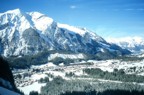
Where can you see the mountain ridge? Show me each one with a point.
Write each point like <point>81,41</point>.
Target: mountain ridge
<point>32,32</point>
<point>134,44</point>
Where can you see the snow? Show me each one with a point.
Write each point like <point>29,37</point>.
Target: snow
<point>16,11</point>
<point>33,87</point>
<point>6,83</point>
<point>4,91</point>
<point>49,34</point>
<point>50,64</point>
<point>36,14</point>
<point>61,64</point>
<point>57,73</point>
<point>72,28</point>
<point>106,65</point>
<point>110,65</point>
<point>16,19</point>
<point>38,76</point>
<point>81,31</point>
<point>64,56</point>
<point>132,43</point>
<point>24,24</point>
<point>79,73</point>
<point>77,69</point>
<point>40,21</point>
<point>103,80</point>
<point>102,50</point>
<point>131,40</point>
<point>141,55</point>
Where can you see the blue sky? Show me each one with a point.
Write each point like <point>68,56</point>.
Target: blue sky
<point>108,18</point>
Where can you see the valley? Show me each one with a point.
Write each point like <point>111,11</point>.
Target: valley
<point>33,78</point>
<point>50,58</point>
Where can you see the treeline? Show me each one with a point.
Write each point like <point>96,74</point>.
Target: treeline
<point>107,92</point>
<point>66,61</point>
<point>6,75</point>
<point>129,58</point>
<point>25,61</point>
<point>117,75</point>
<point>60,86</point>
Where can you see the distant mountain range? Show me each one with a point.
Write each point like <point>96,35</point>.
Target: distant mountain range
<point>134,44</point>
<point>28,33</point>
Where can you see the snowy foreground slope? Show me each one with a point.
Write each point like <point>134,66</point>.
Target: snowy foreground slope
<point>4,91</point>
<point>27,33</point>
<point>7,84</point>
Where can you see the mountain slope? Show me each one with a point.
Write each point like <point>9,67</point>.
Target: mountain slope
<point>30,33</point>
<point>134,44</point>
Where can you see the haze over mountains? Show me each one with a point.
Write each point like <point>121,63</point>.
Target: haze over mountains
<point>27,33</point>
<point>134,44</point>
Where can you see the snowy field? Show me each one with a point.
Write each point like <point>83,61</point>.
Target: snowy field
<point>30,83</point>
<point>33,87</point>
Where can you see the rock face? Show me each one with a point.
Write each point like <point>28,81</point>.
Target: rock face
<point>28,33</point>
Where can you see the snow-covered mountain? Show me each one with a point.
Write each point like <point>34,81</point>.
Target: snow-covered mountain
<point>134,44</point>
<point>27,33</point>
